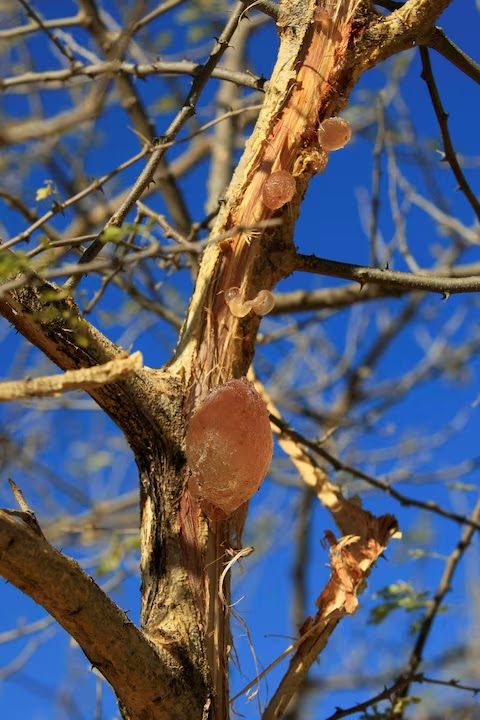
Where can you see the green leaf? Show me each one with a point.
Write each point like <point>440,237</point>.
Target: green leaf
<point>397,595</point>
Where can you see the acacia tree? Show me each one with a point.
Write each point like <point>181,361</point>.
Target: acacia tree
<point>101,240</point>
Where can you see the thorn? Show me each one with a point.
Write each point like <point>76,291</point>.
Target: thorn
<point>446,295</point>
<point>138,74</point>
<point>387,265</point>
<point>56,207</point>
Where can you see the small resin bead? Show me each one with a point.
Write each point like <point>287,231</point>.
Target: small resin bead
<point>334,133</point>
<point>237,305</point>
<point>279,189</point>
<point>262,304</point>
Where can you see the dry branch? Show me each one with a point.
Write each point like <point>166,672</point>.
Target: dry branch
<point>429,281</point>
<point>145,686</point>
<point>82,73</point>
<point>364,538</point>
<point>434,606</point>
<point>84,379</point>
<point>352,558</point>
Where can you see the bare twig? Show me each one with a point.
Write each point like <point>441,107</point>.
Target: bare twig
<point>434,605</point>
<point>25,513</point>
<point>437,40</point>
<point>146,177</point>
<point>83,379</point>
<point>442,117</point>
<point>160,10</point>
<point>57,78</point>
<point>399,686</point>
<point>64,49</point>
<point>29,28</point>
<point>387,278</point>
<point>370,480</point>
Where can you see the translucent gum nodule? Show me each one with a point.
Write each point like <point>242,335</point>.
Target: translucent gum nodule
<point>237,305</point>
<point>262,304</point>
<point>334,133</point>
<point>229,446</point>
<point>278,189</point>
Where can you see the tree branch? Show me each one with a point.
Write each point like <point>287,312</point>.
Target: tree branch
<point>445,585</point>
<point>404,28</point>
<point>386,278</point>
<point>144,685</point>
<point>366,537</point>
<point>298,301</point>
<point>73,75</point>
<point>437,40</point>
<point>442,118</point>
<point>340,466</point>
<point>84,379</point>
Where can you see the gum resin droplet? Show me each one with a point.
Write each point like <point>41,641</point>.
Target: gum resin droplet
<point>261,304</point>
<point>278,189</point>
<point>334,133</point>
<point>237,305</point>
<point>229,446</point>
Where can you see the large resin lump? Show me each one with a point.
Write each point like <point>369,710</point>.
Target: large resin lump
<point>229,446</point>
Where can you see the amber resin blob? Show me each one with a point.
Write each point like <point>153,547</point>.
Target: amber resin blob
<point>279,189</point>
<point>229,447</point>
<point>334,133</point>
